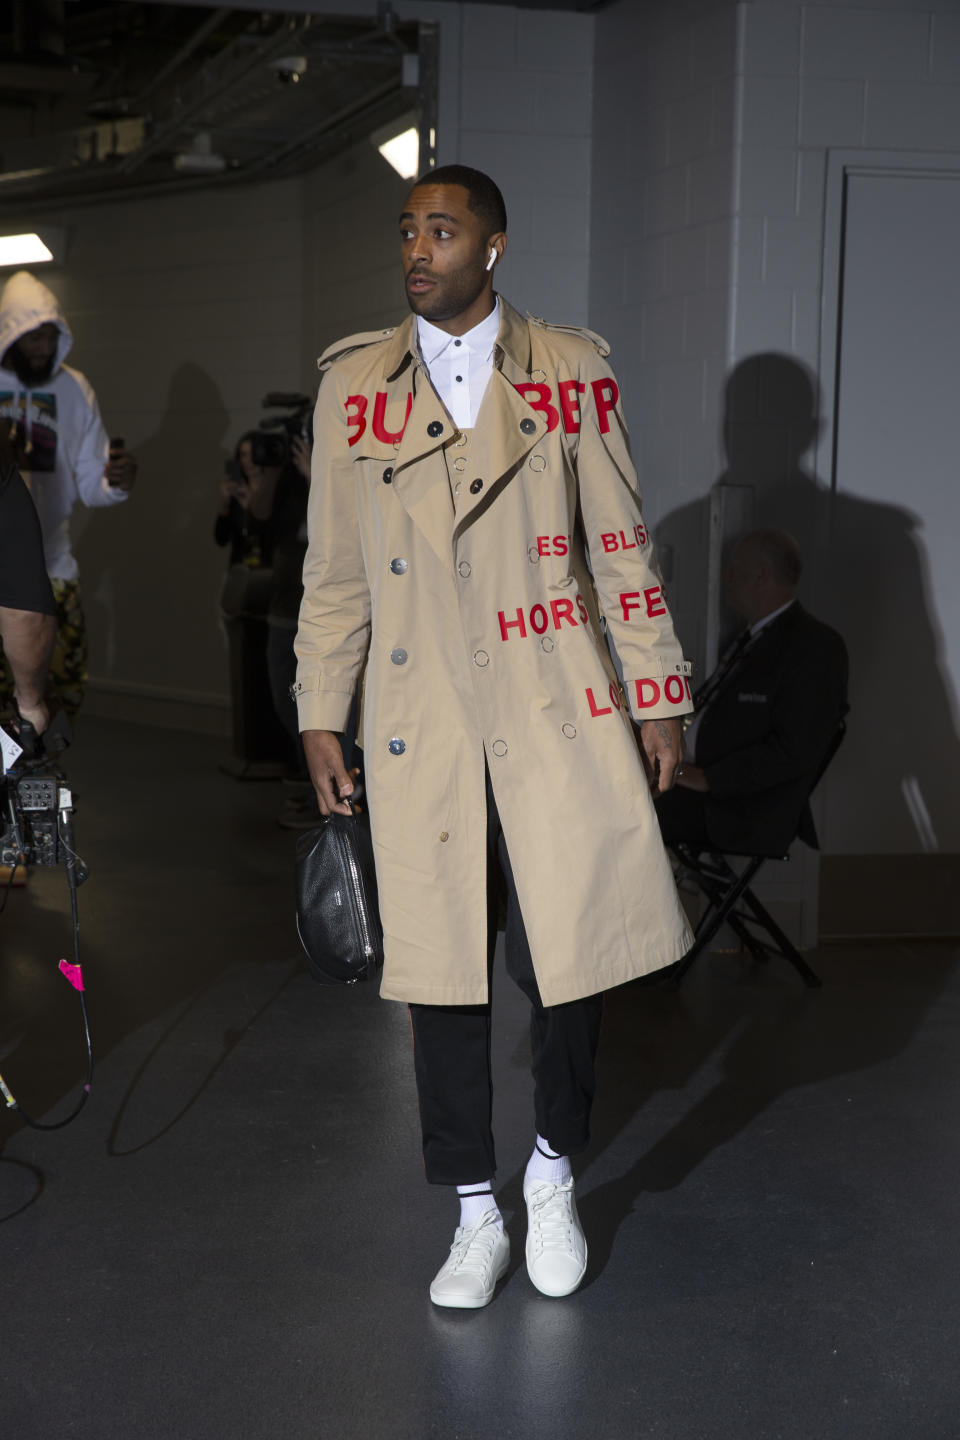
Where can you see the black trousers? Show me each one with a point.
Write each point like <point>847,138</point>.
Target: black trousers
<point>452,1053</point>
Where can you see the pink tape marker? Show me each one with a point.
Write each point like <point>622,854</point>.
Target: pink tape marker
<point>72,973</point>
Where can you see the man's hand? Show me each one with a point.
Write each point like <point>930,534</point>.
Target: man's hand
<point>327,771</point>
<point>121,471</point>
<point>661,746</point>
<point>693,777</point>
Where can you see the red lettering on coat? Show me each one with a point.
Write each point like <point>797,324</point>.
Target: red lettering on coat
<point>688,687</point>
<point>570,392</point>
<point>543,544</point>
<point>506,624</point>
<point>359,403</point>
<point>582,611</point>
<point>542,403</point>
<point>641,533</point>
<point>648,693</point>
<point>596,710</point>
<point>654,599</point>
<point>560,545</point>
<point>623,543</point>
<point>629,600</point>
<point>562,610</point>
<point>609,542</point>
<point>379,419</point>
<point>539,628</point>
<point>673,690</point>
<point>605,397</point>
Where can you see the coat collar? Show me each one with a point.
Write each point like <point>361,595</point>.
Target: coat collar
<point>513,344</point>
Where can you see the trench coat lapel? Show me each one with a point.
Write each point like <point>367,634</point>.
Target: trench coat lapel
<point>507,429</point>
<point>502,436</point>
<point>420,479</point>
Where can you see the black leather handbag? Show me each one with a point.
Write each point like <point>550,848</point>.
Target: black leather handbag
<point>338,919</point>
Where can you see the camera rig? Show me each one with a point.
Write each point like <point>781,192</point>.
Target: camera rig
<point>271,448</point>
<point>36,828</point>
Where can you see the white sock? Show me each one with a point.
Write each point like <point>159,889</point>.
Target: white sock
<point>545,1165</point>
<point>475,1200</point>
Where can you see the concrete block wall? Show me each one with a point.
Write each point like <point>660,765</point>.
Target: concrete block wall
<point>518,98</point>
<point>816,77</point>
<point>663,148</point>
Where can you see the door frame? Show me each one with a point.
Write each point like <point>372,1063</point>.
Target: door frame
<point>841,165</point>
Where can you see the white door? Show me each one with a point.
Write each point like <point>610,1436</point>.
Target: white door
<point>892,579</point>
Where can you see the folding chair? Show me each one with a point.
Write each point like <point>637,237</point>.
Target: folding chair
<point>730,900</point>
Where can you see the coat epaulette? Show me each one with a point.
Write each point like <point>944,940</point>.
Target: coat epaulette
<point>349,343</point>
<point>603,348</point>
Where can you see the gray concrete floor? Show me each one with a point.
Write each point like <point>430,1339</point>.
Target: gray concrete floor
<point>234,1240</point>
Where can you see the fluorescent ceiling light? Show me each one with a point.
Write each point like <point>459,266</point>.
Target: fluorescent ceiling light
<point>403,152</point>
<point>23,250</point>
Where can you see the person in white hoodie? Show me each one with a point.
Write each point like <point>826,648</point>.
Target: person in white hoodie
<point>51,419</point>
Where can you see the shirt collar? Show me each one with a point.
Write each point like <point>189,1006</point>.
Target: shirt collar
<point>768,619</point>
<point>479,341</point>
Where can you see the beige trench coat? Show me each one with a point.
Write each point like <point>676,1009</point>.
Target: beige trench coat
<point>451,573</point>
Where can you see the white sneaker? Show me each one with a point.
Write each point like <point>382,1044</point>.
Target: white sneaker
<point>556,1248</point>
<point>478,1258</point>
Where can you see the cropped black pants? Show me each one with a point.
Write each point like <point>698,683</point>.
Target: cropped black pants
<point>452,1053</point>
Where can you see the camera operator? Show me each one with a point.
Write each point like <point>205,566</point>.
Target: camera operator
<point>28,624</point>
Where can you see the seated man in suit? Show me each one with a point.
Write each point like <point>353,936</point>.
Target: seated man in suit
<point>764,719</point>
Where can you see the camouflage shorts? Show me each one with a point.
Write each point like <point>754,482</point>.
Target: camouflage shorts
<point>68,668</point>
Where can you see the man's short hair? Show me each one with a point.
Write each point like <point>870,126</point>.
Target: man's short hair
<point>779,552</point>
<point>483,194</point>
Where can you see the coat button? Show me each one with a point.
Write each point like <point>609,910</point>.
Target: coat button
<point>397,746</point>
<point>398,656</point>
<point>570,731</point>
<point>388,475</point>
<point>499,747</point>
<point>464,568</point>
<point>476,486</point>
<point>444,836</point>
<point>459,463</point>
<point>528,426</point>
<point>537,462</point>
<point>533,555</point>
<point>435,428</point>
<point>546,644</point>
<point>481,658</point>
<point>398,566</point>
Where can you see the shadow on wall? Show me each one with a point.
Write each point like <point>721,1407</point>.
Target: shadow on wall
<point>895,786</point>
<point>151,572</point>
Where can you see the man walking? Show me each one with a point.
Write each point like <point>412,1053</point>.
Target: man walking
<point>466,465</point>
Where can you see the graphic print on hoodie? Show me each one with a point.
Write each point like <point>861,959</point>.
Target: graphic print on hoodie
<point>31,430</point>
<point>60,443</point>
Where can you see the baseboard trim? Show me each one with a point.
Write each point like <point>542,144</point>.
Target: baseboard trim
<point>199,712</point>
<point>889,897</point>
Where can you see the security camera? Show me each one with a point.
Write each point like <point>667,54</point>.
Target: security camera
<point>289,69</point>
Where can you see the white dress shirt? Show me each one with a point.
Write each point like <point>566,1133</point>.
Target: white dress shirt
<point>460,366</point>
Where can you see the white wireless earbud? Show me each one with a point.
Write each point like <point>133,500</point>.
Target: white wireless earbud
<point>493,260</point>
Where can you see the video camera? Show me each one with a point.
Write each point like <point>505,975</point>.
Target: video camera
<point>272,449</point>
<point>36,802</point>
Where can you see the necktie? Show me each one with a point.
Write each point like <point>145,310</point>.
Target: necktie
<point>728,663</point>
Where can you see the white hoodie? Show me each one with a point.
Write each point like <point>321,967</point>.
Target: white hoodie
<point>54,425</point>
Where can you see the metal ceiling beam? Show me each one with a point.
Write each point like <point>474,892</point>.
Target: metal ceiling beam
<point>168,132</point>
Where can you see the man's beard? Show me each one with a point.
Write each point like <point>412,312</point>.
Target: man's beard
<point>449,298</point>
<point>15,360</point>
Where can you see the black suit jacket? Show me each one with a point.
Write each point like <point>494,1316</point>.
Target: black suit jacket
<point>765,734</point>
